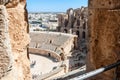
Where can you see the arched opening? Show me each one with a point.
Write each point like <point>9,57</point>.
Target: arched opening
<point>72,25</point>
<point>50,41</point>
<point>49,55</point>
<point>78,22</point>
<point>83,35</point>
<point>78,33</point>
<point>28,56</point>
<point>65,31</point>
<point>36,46</point>
<point>84,25</point>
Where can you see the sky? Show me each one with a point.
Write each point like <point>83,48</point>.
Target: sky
<point>54,5</point>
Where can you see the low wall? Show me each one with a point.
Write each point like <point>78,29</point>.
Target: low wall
<point>54,73</point>
<point>45,53</point>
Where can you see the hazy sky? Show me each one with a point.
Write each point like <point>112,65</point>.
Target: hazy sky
<point>54,5</point>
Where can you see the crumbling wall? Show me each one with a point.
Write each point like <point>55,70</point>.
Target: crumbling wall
<point>74,22</point>
<point>104,33</point>
<point>15,20</point>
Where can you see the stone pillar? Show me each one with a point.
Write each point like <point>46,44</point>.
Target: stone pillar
<point>70,17</point>
<point>104,33</point>
<point>6,58</point>
<point>16,67</point>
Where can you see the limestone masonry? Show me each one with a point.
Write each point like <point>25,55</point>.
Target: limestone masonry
<point>14,63</point>
<point>5,47</point>
<point>104,34</point>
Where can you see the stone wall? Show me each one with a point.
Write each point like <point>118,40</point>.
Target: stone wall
<point>14,17</point>
<point>104,30</point>
<point>44,52</point>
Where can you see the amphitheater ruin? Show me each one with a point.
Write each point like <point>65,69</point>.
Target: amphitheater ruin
<point>58,48</point>
<point>104,43</point>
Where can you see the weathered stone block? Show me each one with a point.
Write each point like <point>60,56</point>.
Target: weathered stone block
<point>19,39</point>
<point>106,4</point>
<point>104,33</point>
<point>5,47</point>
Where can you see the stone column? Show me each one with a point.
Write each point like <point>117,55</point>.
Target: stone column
<point>104,33</point>
<point>6,58</point>
<point>18,66</point>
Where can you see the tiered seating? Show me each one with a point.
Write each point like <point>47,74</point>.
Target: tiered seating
<point>48,47</point>
<point>48,40</point>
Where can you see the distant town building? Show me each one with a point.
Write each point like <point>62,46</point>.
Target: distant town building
<point>43,21</point>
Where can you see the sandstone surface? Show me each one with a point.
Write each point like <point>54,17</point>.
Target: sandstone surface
<point>19,39</point>
<point>5,47</point>
<point>104,34</point>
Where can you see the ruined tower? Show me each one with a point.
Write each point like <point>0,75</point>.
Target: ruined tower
<point>104,33</point>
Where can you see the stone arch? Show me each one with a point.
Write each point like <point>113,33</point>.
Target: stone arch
<point>49,55</point>
<point>65,31</point>
<point>50,41</point>
<point>83,35</point>
<point>78,22</point>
